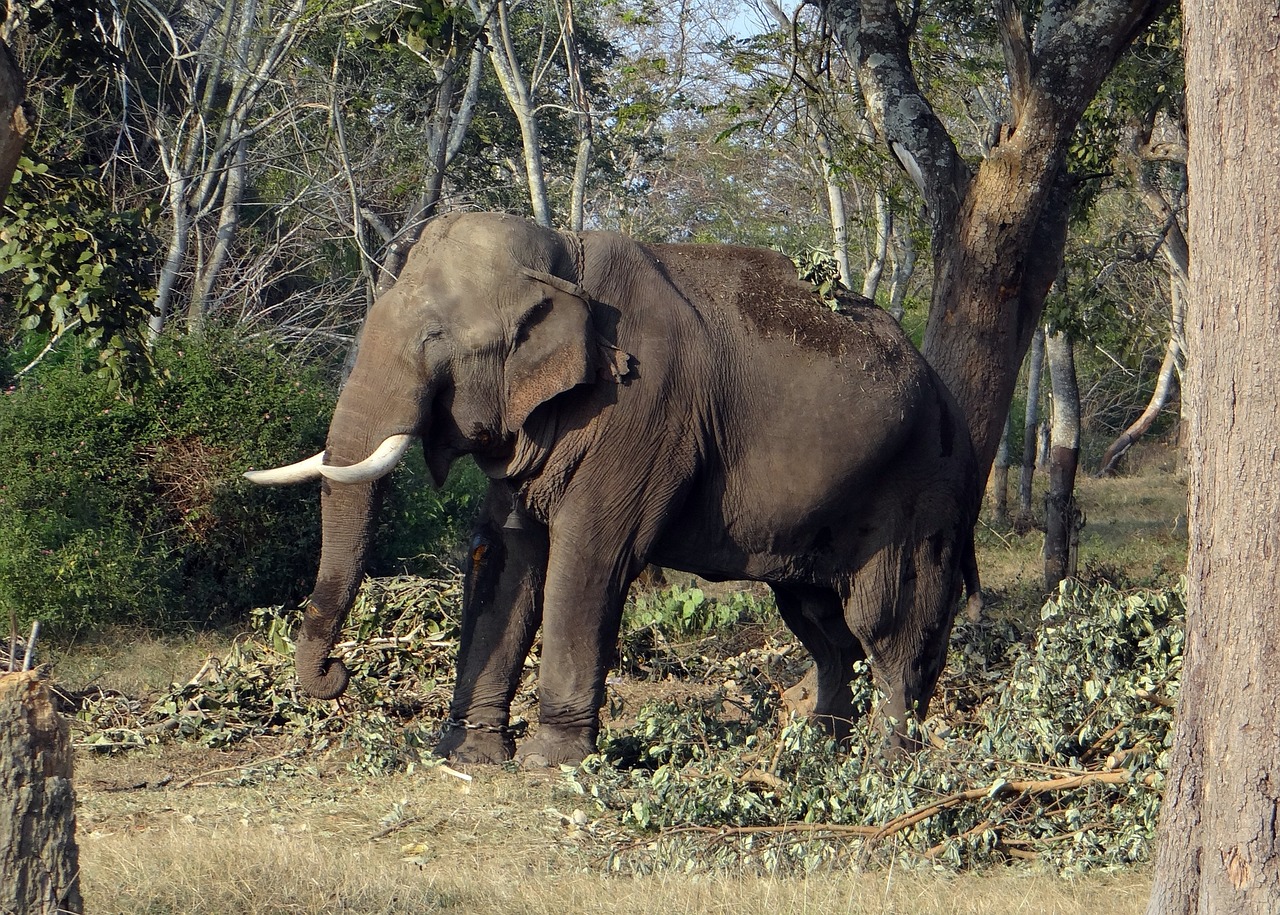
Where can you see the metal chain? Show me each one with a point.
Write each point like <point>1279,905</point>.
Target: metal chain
<point>506,730</point>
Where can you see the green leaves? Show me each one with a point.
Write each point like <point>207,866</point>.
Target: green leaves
<point>1052,745</point>
<point>72,264</point>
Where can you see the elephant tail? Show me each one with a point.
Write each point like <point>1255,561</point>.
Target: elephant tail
<point>972,585</point>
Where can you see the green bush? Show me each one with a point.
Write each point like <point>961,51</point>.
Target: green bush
<point>133,510</point>
<point>679,612</point>
<point>1051,744</point>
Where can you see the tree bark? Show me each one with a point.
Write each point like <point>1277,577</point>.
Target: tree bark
<point>1219,837</point>
<point>1030,425</point>
<point>1061,516</point>
<point>1000,479</point>
<point>999,230</point>
<point>38,854</point>
<point>13,118</point>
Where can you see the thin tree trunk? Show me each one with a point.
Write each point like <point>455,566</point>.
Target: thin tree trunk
<point>38,854</point>
<point>586,123</point>
<point>1062,519</point>
<point>1159,398</point>
<point>506,65</point>
<point>1177,257</point>
<point>1219,849</point>
<point>179,233</point>
<point>202,296</point>
<point>835,208</point>
<point>905,257</point>
<point>879,252</point>
<point>1000,478</point>
<point>13,118</point>
<point>1030,428</point>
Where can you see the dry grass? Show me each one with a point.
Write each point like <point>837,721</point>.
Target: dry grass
<point>330,842</point>
<point>496,845</point>
<point>134,662</point>
<point>1135,528</point>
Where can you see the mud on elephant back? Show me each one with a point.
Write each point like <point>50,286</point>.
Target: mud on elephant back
<point>694,406</point>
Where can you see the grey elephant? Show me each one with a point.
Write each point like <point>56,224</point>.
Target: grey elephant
<point>693,406</point>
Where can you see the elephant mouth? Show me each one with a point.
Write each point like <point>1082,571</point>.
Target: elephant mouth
<point>376,466</point>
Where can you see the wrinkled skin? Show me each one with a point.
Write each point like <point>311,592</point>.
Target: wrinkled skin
<point>696,407</point>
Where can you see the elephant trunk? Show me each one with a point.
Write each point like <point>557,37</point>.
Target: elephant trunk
<point>376,403</point>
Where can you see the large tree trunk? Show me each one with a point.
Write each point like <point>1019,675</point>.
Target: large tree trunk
<point>39,860</point>
<point>999,230</point>
<point>1062,519</point>
<point>13,118</point>
<point>1218,845</point>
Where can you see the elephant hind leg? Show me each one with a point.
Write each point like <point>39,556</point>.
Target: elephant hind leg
<point>815,616</point>
<point>902,607</point>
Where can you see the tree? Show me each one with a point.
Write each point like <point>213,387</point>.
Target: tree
<point>1062,518</point>
<point>1219,848</point>
<point>13,119</point>
<point>998,228</point>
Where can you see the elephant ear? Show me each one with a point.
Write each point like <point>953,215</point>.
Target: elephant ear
<point>553,349</point>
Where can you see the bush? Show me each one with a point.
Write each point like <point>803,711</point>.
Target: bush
<point>133,510</point>
<point>1051,745</point>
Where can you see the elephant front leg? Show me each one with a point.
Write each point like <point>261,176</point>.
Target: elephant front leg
<point>581,618</point>
<point>500,616</point>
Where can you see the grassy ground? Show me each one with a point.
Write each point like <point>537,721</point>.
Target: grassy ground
<point>184,829</point>
<point>502,843</point>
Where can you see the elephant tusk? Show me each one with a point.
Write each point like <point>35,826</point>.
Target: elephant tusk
<point>302,471</point>
<point>375,466</point>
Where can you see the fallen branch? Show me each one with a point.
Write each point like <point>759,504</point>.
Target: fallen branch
<point>998,789</point>
<point>195,780</point>
<point>873,834</point>
<point>395,827</point>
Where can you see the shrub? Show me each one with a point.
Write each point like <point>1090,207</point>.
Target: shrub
<point>132,510</point>
<point>1051,745</point>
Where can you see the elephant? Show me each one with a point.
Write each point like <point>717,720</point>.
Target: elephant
<point>698,407</point>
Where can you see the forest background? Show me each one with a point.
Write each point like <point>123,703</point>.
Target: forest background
<point>214,193</point>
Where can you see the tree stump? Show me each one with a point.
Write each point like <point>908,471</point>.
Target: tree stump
<point>39,860</point>
<point>13,117</point>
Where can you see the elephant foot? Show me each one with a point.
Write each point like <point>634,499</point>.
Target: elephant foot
<point>553,746</point>
<point>468,744</point>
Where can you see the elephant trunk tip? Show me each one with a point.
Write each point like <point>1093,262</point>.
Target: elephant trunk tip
<point>329,681</point>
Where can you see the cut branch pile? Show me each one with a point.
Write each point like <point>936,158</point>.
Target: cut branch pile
<point>1050,745</point>
<point>1047,745</point>
<point>401,655</point>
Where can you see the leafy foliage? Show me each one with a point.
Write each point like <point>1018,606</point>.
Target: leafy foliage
<point>116,510</point>
<point>403,640</point>
<point>1050,745</point>
<point>679,612</point>
<point>69,262</point>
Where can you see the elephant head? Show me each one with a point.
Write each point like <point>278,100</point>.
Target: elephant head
<point>485,324</point>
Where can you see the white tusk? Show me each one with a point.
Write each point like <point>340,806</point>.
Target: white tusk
<point>375,466</point>
<point>294,473</point>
